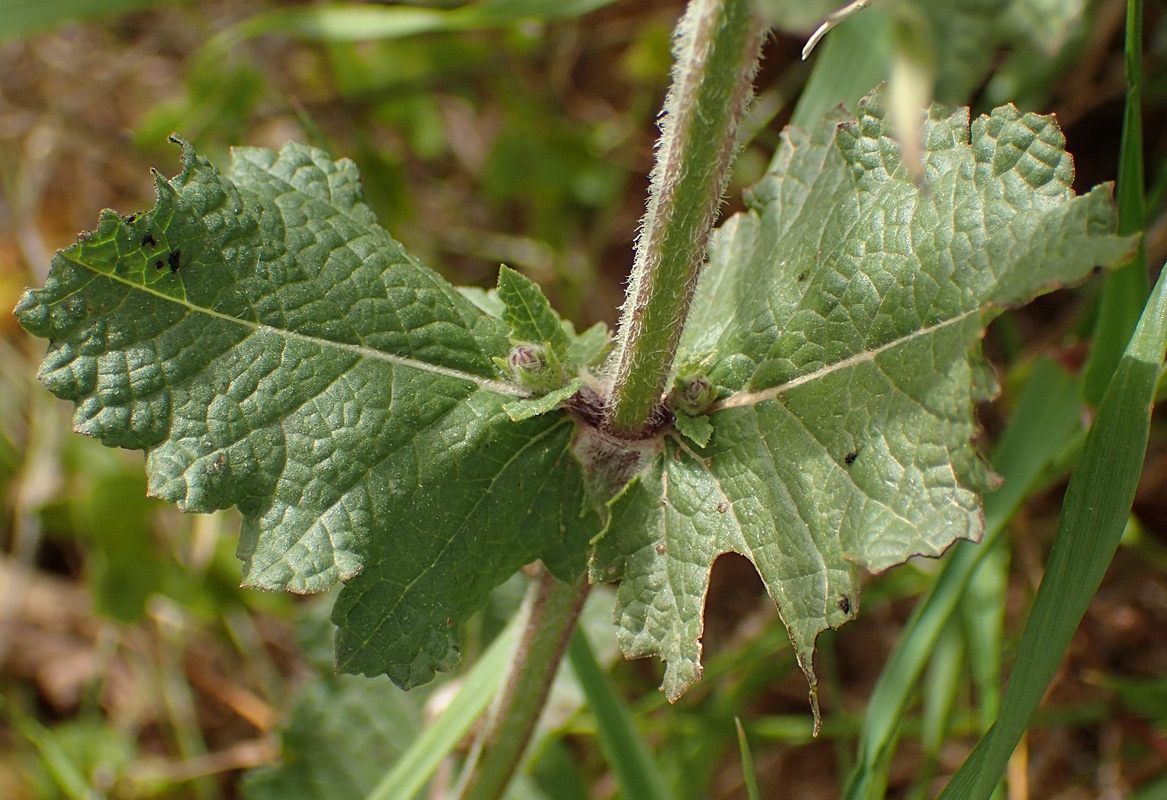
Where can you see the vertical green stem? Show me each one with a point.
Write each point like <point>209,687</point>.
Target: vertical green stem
<point>552,610</point>
<point>717,48</point>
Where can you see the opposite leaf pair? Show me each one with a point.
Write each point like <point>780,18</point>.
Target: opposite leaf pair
<point>300,364</point>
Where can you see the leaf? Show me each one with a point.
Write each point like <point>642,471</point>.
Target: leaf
<point>486,299</point>
<point>846,307</point>
<point>525,409</point>
<point>270,346</point>
<point>522,305</point>
<point>529,314</point>
<point>696,429</point>
<point>589,348</point>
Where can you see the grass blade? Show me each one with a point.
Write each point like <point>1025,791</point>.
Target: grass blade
<point>1125,290</point>
<point>1094,513</point>
<point>417,764</point>
<point>60,766</point>
<point>748,776</point>
<point>984,622</point>
<point>1046,416</point>
<point>626,751</point>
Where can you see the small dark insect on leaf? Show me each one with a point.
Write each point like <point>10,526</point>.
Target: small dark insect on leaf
<point>132,217</point>
<point>849,459</point>
<point>159,264</point>
<point>801,277</point>
<point>174,259</point>
<point>845,605</point>
<point>149,241</point>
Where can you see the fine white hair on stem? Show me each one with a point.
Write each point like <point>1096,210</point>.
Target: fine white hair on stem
<point>716,49</point>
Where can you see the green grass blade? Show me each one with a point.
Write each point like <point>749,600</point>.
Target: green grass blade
<point>942,682</point>
<point>627,752</point>
<point>417,764</point>
<point>748,776</point>
<point>354,22</point>
<point>1125,290</point>
<point>64,772</point>
<point>1094,513</point>
<point>1047,414</point>
<point>984,618</point>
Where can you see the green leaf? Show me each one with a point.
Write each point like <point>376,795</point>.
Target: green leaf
<point>846,309</point>
<point>519,410</point>
<point>270,346</point>
<point>697,429</point>
<point>529,314</point>
<point>486,299</point>
<point>589,348</point>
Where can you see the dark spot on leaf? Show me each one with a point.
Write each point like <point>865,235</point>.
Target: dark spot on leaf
<point>722,507</point>
<point>132,217</point>
<point>849,459</point>
<point>159,264</point>
<point>174,259</point>
<point>1096,269</point>
<point>149,241</point>
<point>660,549</point>
<point>845,605</point>
<point>801,276</point>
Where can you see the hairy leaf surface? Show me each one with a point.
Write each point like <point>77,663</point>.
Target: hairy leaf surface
<point>846,308</point>
<point>270,346</point>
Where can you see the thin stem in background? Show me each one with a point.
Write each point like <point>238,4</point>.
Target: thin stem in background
<point>552,611</point>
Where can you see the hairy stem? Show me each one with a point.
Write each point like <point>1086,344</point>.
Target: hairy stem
<point>717,49</point>
<point>552,610</point>
<point>718,43</point>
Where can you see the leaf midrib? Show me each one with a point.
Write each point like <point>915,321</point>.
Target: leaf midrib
<point>743,399</point>
<point>363,351</point>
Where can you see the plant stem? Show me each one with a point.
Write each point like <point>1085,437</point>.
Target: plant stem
<point>718,43</point>
<point>552,609</point>
<point>717,48</point>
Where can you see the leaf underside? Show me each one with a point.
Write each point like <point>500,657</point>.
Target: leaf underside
<point>270,346</point>
<point>846,308</point>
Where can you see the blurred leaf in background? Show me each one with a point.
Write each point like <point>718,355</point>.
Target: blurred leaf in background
<point>23,17</point>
